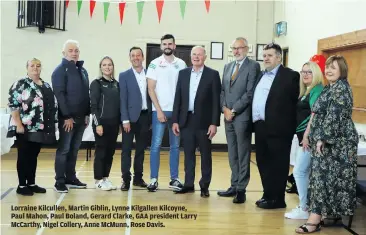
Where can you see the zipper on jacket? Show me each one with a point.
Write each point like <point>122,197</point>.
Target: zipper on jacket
<point>102,107</point>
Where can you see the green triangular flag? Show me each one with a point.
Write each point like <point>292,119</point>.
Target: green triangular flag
<point>106,7</point>
<point>79,5</point>
<point>140,7</point>
<point>182,4</point>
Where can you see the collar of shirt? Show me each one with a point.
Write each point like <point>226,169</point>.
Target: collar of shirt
<point>273,71</point>
<point>137,73</point>
<point>240,62</point>
<point>200,71</point>
<point>106,80</point>
<point>163,61</point>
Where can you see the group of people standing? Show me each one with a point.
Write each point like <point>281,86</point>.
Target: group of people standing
<point>274,104</point>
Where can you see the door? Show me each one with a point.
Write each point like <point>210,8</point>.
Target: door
<point>153,51</point>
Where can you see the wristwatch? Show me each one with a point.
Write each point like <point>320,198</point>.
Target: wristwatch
<point>233,112</point>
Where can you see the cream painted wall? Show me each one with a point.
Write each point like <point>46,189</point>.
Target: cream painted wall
<point>309,21</point>
<point>226,20</point>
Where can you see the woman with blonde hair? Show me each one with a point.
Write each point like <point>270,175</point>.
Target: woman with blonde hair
<point>105,109</point>
<point>33,117</point>
<point>333,142</point>
<point>310,89</point>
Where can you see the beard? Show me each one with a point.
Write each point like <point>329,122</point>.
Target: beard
<point>168,51</point>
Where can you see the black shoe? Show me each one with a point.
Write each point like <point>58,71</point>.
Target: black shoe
<point>139,182</point>
<point>184,189</point>
<point>36,189</point>
<point>272,204</point>
<point>175,184</point>
<point>153,186</point>
<point>61,188</point>
<point>125,186</point>
<point>260,201</point>
<point>240,197</point>
<point>204,192</point>
<point>75,184</point>
<point>25,191</point>
<point>230,192</point>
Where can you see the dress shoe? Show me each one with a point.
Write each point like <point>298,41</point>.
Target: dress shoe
<point>139,182</point>
<point>230,192</point>
<point>240,197</point>
<point>204,192</point>
<point>272,204</point>
<point>185,189</point>
<point>125,186</point>
<point>260,201</point>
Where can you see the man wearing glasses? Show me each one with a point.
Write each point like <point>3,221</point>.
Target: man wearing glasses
<point>274,117</point>
<point>238,82</point>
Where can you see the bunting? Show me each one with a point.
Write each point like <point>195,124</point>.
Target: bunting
<point>140,7</point>
<point>182,4</point>
<point>91,7</point>
<point>207,3</point>
<point>159,8</point>
<point>106,8</point>
<point>121,6</point>
<point>79,6</point>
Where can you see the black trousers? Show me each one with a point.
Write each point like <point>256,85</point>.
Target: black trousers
<point>139,131</point>
<point>105,147</point>
<point>193,137</point>
<point>273,160</point>
<point>27,160</point>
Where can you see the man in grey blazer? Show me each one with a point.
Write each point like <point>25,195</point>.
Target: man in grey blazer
<point>238,82</point>
<point>136,118</point>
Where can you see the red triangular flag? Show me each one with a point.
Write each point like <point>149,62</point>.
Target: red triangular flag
<point>207,2</point>
<point>121,10</point>
<point>91,7</point>
<point>159,7</point>
<point>67,3</point>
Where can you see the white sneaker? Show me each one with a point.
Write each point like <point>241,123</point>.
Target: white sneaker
<point>100,184</point>
<point>297,213</point>
<point>109,184</point>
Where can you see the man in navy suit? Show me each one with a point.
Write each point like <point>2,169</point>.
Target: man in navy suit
<point>136,118</point>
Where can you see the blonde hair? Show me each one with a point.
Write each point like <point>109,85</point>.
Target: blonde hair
<point>317,78</point>
<point>34,61</point>
<point>100,66</point>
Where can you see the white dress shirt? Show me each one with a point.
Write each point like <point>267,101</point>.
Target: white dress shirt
<point>240,64</point>
<point>193,86</point>
<point>261,94</point>
<point>141,81</point>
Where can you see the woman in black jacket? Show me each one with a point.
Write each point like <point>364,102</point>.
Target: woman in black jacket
<point>105,109</point>
<point>33,116</point>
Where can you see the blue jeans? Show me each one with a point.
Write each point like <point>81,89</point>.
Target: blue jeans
<point>158,129</point>
<point>301,174</point>
<point>67,151</point>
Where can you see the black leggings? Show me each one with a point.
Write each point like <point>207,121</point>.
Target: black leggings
<point>105,147</point>
<point>27,160</point>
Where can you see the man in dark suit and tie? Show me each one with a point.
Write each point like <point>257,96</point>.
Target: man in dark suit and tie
<point>238,82</point>
<point>196,115</point>
<point>136,118</point>
<point>274,117</point>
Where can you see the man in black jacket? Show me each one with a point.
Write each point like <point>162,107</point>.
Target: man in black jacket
<point>274,117</point>
<point>196,115</point>
<point>71,87</point>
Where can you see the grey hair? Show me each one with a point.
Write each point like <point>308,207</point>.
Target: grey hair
<point>70,41</point>
<point>202,47</point>
<point>242,39</point>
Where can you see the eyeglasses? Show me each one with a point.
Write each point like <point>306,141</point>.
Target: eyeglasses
<point>306,72</point>
<point>236,48</point>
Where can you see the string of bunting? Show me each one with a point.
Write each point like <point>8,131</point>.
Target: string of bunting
<point>139,6</point>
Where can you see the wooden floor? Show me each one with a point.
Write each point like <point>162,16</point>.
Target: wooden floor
<point>211,216</point>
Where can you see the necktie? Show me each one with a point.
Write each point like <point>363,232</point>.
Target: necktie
<point>236,72</point>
